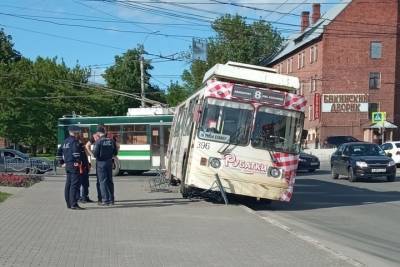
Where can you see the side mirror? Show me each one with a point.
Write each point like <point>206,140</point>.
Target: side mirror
<point>389,155</point>
<point>304,135</point>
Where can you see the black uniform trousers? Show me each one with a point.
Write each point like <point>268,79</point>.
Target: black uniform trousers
<point>84,177</point>
<point>71,190</point>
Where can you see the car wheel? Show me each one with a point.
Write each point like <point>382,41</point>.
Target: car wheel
<point>391,178</point>
<point>333,174</point>
<point>352,177</point>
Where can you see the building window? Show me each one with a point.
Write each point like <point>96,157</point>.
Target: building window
<point>310,113</point>
<point>313,84</point>
<point>291,65</point>
<point>376,50</point>
<point>301,88</point>
<point>287,66</point>
<point>311,54</point>
<point>315,53</point>
<point>303,59</point>
<point>298,61</point>
<point>372,107</point>
<point>374,80</point>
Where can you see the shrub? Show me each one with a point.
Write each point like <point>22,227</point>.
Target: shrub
<point>3,196</point>
<point>18,180</point>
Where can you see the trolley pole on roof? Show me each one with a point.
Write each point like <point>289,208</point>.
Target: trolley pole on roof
<point>142,96</point>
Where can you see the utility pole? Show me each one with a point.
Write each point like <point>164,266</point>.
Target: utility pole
<point>142,80</point>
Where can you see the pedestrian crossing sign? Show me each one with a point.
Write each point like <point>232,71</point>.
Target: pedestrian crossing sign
<point>378,116</point>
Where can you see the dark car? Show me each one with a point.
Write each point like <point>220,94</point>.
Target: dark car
<point>14,160</point>
<point>336,141</point>
<point>308,162</point>
<point>362,160</point>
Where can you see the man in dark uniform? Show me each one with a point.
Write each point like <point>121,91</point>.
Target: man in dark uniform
<point>69,154</point>
<point>104,150</point>
<point>84,175</point>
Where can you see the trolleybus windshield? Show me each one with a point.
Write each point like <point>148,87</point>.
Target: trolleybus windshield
<point>277,129</point>
<point>226,121</point>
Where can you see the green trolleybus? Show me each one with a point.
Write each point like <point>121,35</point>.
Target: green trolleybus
<point>142,136</point>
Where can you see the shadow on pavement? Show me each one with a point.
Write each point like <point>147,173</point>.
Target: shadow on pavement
<point>144,203</point>
<point>317,172</point>
<point>316,194</point>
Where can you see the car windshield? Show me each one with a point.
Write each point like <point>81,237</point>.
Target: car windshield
<point>366,150</point>
<point>226,121</point>
<point>277,129</point>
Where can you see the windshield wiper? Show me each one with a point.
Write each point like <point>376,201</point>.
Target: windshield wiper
<point>235,137</point>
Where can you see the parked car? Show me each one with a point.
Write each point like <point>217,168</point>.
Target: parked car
<point>308,162</point>
<point>362,160</point>
<point>14,160</point>
<point>336,141</point>
<point>392,149</point>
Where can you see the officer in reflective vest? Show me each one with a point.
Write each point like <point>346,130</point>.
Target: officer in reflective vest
<point>69,154</point>
<point>104,150</point>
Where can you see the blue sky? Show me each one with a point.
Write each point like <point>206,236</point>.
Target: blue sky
<point>115,26</point>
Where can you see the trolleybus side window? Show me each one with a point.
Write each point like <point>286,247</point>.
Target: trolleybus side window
<point>177,127</point>
<point>135,134</point>
<point>226,121</point>
<point>277,129</point>
<point>189,116</point>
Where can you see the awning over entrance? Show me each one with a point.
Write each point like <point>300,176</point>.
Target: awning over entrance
<point>384,124</point>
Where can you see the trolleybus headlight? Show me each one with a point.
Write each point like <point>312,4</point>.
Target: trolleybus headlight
<point>214,162</point>
<point>274,172</point>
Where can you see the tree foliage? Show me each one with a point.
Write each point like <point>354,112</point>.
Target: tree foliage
<point>124,76</point>
<point>7,51</point>
<point>234,41</point>
<point>176,94</point>
<point>34,94</point>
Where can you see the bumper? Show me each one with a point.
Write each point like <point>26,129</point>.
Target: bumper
<point>374,172</point>
<point>308,165</point>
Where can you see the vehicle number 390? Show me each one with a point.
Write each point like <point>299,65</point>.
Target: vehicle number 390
<point>203,145</point>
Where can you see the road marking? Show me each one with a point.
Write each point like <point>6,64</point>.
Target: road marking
<point>306,238</point>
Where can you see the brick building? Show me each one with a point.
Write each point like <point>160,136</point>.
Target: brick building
<point>348,62</point>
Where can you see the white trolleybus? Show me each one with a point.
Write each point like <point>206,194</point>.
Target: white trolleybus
<point>245,125</point>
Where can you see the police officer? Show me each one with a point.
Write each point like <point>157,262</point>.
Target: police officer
<point>69,154</point>
<point>104,150</point>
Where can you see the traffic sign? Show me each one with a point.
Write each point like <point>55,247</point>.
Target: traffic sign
<point>378,116</point>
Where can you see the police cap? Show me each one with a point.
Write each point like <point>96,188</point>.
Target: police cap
<point>74,128</point>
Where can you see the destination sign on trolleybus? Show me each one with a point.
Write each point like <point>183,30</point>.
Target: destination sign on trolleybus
<point>256,94</point>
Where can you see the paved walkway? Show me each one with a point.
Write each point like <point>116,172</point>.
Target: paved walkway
<point>143,229</point>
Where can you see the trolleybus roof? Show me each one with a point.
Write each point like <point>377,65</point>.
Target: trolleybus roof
<point>252,74</point>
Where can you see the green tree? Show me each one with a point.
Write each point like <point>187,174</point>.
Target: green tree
<point>176,94</point>
<point>124,76</point>
<point>7,52</point>
<point>234,41</point>
<point>34,94</point>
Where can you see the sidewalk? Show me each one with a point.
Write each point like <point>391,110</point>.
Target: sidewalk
<point>142,229</point>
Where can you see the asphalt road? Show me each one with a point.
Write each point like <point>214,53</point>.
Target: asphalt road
<point>359,220</point>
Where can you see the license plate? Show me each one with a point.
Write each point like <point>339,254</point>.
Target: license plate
<point>314,163</point>
<point>378,170</point>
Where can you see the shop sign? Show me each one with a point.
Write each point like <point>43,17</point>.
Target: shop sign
<point>342,103</point>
